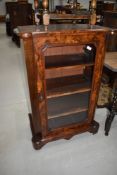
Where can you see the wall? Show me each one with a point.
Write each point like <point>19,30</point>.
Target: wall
<point>2,7</point>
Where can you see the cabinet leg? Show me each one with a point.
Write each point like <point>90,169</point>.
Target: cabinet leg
<point>31,124</point>
<point>94,127</point>
<point>37,140</point>
<point>68,137</point>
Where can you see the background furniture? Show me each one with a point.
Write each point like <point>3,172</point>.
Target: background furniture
<point>102,11</point>
<point>18,14</point>
<point>110,68</point>
<point>110,19</point>
<point>70,18</point>
<point>108,91</point>
<point>64,75</point>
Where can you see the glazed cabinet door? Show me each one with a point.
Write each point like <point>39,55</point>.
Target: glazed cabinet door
<point>68,75</point>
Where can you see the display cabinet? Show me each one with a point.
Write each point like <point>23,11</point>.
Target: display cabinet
<point>64,66</point>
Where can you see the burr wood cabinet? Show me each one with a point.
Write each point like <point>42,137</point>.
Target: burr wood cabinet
<point>64,66</point>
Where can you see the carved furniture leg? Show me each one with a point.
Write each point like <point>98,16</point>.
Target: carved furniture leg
<point>112,111</point>
<point>37,140</point>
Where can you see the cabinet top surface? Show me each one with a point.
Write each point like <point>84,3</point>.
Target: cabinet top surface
<point>60,28</point>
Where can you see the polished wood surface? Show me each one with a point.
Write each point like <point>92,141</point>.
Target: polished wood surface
<point>73,93</point>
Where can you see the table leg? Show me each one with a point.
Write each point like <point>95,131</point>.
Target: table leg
<point>112,110</point>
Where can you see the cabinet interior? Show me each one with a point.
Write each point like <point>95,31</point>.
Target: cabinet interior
<point>68,74</point>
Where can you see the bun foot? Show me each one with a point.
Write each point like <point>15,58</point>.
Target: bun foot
<point>94,127</point>
<point>37,141</point>
<point>68,137</point>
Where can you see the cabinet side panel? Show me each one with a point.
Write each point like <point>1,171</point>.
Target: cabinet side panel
<point>27,47</point>
<point>99,60</point>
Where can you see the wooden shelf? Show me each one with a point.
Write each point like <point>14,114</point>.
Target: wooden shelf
<point>67,60</point>
<point>76,118</point>
<point>55,72</point>
<point>66,114</point>
<point>85,86</point>
<point>67,105</point>
<point>63,82</point>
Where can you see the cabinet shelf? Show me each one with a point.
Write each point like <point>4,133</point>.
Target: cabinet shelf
<point>67,105</point>
<point>76,118</point>
<point>85,86</point>
<point>55,72</point>
<point>67,60</point>
<point>66,114</point>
